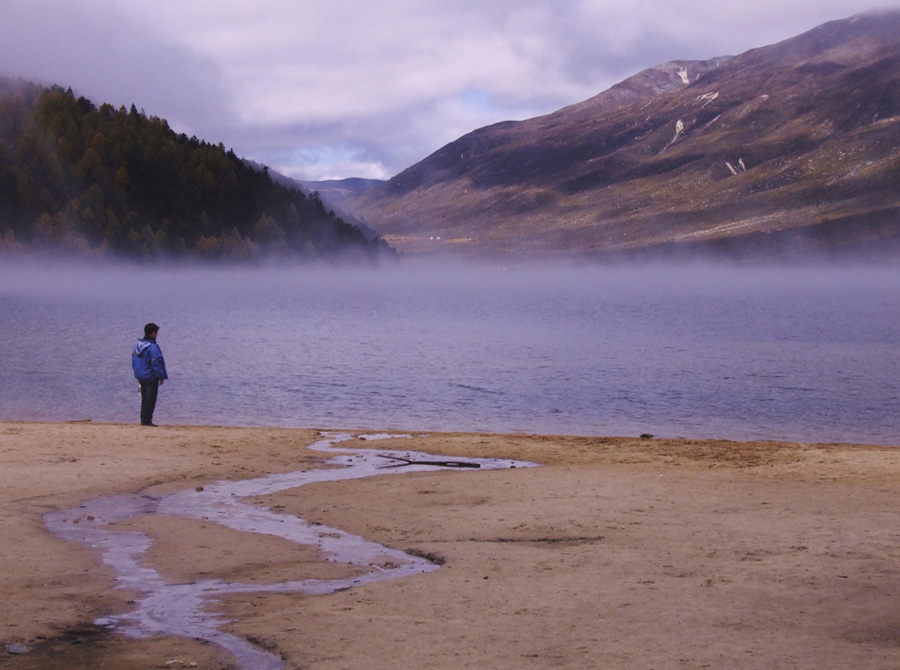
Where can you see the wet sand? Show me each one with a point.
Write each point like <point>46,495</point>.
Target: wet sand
<point>617,553</point>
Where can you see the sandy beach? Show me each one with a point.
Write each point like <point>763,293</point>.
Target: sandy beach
<point>615,553</point>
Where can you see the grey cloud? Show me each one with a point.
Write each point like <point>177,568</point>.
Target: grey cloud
<point>107,57</point>
<point>331,88</point>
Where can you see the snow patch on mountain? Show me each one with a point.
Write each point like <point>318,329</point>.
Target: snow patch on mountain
<point>679,129</point>
<point>707,98</point>
<point>736,168</point>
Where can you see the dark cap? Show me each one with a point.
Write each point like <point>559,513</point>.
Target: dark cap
<point>149,329</point>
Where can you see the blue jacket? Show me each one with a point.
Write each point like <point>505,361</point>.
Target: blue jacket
<point>147,361</point>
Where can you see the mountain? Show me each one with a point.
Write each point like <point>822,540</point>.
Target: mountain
<point>338,190</point>
<point>784,148</point>
<point>334,192</point>
<point>97,181</point>
<point>331,194</point>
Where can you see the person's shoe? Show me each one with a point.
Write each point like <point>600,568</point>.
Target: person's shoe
<point>152,425</point>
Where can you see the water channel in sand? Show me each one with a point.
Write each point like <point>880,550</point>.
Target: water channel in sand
<point>181,609</point>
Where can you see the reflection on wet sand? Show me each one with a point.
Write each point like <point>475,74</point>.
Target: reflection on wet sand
<point>182,609</point>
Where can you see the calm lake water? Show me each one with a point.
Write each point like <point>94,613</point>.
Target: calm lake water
<point>775,353</point>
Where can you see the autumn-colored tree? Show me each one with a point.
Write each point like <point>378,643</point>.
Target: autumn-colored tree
<point>122,181</point>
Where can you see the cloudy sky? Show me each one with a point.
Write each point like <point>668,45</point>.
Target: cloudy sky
<point>322,89</point>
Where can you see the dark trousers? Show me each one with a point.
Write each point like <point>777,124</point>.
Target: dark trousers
<point>149,392</point>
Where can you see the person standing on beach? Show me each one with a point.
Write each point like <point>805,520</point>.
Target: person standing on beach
<point>150,370</point>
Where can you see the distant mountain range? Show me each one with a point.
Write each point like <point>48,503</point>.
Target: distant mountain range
<point>339,190</point>
<point>334,193</point>
<point>787,148</point>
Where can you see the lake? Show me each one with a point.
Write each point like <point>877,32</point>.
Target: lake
<point>805,354</point>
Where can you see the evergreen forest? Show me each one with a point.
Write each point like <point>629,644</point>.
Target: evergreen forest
<point>101,181</point>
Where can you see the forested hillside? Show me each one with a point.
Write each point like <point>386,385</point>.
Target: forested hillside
<point>101,181</point>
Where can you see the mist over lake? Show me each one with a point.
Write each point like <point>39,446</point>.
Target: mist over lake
<point>805,354</point>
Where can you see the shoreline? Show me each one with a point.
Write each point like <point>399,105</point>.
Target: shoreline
<point>618,552</point>
<point>733,435</point>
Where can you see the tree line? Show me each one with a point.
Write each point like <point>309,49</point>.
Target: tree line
<point>102,181</point>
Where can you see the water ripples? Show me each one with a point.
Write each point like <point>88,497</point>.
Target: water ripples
<point>743,353</point>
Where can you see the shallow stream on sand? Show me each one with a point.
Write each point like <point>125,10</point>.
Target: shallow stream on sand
<point>183,609</point>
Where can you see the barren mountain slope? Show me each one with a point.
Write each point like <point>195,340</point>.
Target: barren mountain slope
<point>795,143</point>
